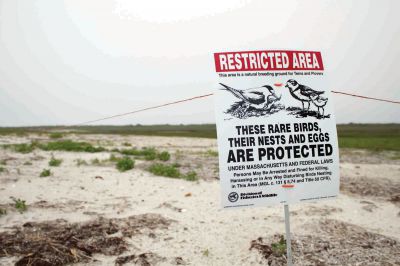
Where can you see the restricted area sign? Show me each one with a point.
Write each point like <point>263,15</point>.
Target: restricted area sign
<point>277,137</point>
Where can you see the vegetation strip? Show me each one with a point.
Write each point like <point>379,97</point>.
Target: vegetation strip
<point>362,136</point>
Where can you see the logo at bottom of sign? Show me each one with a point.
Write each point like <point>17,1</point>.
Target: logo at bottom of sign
<point>233,197</point>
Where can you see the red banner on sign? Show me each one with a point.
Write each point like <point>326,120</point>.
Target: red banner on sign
<point>268,61</point>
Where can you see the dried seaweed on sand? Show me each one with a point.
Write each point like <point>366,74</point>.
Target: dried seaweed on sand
<point>59,242</point>
<point>333,243</point>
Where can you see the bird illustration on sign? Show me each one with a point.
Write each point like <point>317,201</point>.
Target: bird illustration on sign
<point>258,101</point>
<point>306,96</point>
<point>263,101</point>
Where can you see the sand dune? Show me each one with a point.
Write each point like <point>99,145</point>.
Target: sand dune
<point>361,226</point>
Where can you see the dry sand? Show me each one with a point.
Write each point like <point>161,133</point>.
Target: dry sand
<point>359,227</point>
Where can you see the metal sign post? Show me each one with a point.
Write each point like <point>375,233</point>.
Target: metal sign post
<point>288,241</point>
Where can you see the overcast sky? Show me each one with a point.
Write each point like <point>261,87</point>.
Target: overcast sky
<point>64,62</point>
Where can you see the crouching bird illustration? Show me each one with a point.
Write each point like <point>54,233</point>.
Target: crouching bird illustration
<point>260,98</point>
<point>306,95</point>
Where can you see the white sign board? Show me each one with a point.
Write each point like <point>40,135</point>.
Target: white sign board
<point>276,128</point>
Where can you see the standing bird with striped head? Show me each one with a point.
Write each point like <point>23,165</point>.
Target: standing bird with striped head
<point>306,95</point>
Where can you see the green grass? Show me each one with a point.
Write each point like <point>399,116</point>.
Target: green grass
<point>148,154</point>
<point>45,173</point>
<point>125,164</point>
<point>201,131</point>
<point>190,176</point>
<point>374,137</point>
<point>69,145</point>
<point>171,170</point>
<point>56,135</point>
<point>206,252</point>
<point>24,147</point>
<point>60,145</point>
<point>212,153</point>
<point>370,143</point>
<point>2,169</point>
<point>112,158</point>
<point>163,156</point>
<point>3,211</point>
<point>20,205</point>
<point>279,248</point>
<point>55,162</point>
<point>164,170</point>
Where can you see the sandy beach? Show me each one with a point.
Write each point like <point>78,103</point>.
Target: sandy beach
<point>360,227</point>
